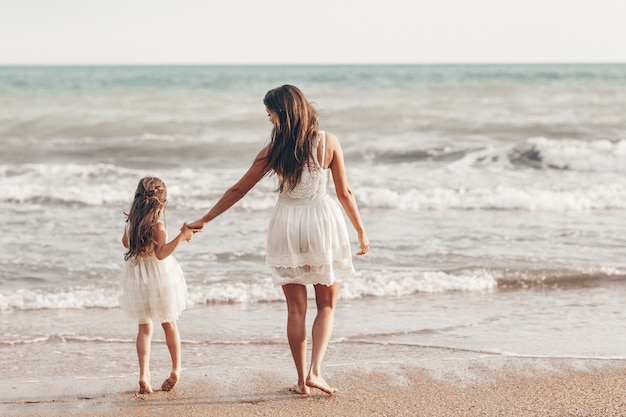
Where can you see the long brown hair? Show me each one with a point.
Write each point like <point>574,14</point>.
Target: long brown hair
<point>150,199</point>
<point>293,134</point>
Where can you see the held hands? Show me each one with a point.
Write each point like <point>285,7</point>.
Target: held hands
<point>187,232</point>
<point>198,225</point>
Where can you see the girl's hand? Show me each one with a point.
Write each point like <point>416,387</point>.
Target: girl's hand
<point>187,233</point>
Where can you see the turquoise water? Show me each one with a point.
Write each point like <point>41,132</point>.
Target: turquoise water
<point>73,80</point>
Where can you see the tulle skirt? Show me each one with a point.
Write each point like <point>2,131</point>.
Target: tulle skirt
<point>308,243</point>
<point>152,290</point>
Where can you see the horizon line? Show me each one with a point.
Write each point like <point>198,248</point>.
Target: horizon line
<point>302,64</point>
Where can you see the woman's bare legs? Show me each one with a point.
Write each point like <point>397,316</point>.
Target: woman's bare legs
<point>144,340</point>
<point>296,297</point>
<point>326,299</point>
<point>172,339</point>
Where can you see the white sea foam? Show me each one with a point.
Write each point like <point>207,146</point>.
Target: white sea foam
<point>578,155</point>
<point>527,198</point>
<point>464,187</point>
<point>398,283</point>
<point>64,298</point>
<point>368,283</point>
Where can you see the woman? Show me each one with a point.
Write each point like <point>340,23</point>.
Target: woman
<point>307,239</point>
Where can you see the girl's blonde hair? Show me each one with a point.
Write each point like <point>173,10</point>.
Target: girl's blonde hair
<point>150,199</point>
<point>293,134</point>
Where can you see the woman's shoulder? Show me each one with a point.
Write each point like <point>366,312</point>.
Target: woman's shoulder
<point>328,135</point>
<point>331,139</point>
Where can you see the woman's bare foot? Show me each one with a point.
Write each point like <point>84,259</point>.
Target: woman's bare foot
<point>144,387</point>
<point>320,384</point>
<point>302,390</point>
<point>170,382</point>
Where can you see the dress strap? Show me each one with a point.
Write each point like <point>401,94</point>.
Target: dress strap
<point>323,133</point>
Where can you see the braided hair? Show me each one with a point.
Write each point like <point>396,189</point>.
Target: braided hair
<point>150,199</point>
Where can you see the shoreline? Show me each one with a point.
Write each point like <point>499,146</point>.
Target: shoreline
<point>240,365</point>
<point>488,386</point>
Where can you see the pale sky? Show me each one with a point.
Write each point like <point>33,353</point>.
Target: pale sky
<point>311,32</point>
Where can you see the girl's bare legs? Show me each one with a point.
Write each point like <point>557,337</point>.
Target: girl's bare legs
<point>326,299</point>
<point>295,294</point>
<point>172,339</point>
<point>144,340</point>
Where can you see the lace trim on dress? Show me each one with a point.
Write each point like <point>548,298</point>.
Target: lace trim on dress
<point>312,174</point>
<point>311,274</point>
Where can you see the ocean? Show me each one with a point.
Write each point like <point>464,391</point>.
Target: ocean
<point>494,197</point>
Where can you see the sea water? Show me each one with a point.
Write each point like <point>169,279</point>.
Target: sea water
<point>494,197</point>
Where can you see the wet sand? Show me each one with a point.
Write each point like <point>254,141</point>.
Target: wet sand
<point>494,386</point>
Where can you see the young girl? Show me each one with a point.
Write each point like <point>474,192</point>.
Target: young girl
<point>152,282</point>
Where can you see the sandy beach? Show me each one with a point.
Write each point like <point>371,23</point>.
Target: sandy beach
<point>93,371</point>
<point>493,386</point>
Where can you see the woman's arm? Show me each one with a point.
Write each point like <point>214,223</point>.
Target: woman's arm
<point>257,170</point>
<point>344,193</point>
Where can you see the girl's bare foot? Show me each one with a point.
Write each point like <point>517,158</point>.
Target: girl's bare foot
<point>302,390</point>
<point>170,382</point>
<point>144,386</point>
<point>320,384</point>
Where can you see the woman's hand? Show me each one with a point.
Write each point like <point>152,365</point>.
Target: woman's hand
<point>365,244</point>
<point>197,226</point>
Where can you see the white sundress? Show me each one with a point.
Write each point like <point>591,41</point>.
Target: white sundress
<point>152,289</point>
<point>307,240</point>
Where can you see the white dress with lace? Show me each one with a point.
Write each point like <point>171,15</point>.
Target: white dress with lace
<point>307,240</point>
<point>152,289</point>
